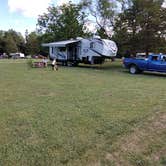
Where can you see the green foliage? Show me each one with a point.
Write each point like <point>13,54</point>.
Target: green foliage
<point>141,27</point>
<point>2,42</point>
<point>138,26</point>
<point>10,45</point>
<point>32,44</point>
<point>63,22</point>
<point>11,41</point>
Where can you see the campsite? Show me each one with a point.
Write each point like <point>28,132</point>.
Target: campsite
<point>87,115</point>
<point>83,83</point>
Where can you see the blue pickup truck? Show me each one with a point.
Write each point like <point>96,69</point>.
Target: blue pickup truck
<point>154,62</point>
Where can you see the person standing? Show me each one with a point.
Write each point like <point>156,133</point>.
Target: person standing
<point>54,65</point>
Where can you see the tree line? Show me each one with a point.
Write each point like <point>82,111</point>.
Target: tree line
<point>12,42</point>
<point>135,25</point>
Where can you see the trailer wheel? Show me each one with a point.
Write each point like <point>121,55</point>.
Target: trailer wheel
<point>64,63</point>
<point>133,69</point>
<point>69,64</point>
<point>75,63</point>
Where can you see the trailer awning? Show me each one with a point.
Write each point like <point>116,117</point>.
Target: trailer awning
<point>60,43</point>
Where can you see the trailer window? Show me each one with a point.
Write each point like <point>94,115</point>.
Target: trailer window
<point>62,49</point>
<point>52,50</point>
<point>92,45</point>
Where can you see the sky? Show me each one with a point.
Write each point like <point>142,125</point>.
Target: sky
<point>20,15</point>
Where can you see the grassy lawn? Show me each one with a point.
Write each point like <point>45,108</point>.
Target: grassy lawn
<point>93,116</point>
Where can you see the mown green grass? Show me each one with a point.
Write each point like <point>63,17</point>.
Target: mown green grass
<point>78,115</point>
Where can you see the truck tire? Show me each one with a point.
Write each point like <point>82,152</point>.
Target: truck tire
<point>133,69</point>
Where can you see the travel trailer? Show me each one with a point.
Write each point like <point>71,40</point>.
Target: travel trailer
<point>92,51</point>
<point>16,55</point>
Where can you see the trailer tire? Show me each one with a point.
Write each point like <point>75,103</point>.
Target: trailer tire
<point>65,63</point>
<point>133,69</point>
<point>75,63</point>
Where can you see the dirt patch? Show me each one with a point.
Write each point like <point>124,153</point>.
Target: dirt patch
<point>145,140</point>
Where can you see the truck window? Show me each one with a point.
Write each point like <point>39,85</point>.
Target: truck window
<point>163,58</point>
<point>154,58</point>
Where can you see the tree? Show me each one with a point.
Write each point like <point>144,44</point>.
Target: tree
<point>17,38</point>
<point>2,42</point>
<point>11,41</point>
<point>10,44</point>
<point>32,43</point>
<point>141,26</point>
<point>104,12</point>
<point>63,22</point>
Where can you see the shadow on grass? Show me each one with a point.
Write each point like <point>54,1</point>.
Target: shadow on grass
<point>114,66</point>
<point>105,66</point>
<point>150,74</point>
<point>155,74</point>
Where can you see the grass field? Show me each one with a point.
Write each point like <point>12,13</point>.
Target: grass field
<point>81,116</point>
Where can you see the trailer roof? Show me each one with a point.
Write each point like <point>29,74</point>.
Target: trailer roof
<point>60,43</point>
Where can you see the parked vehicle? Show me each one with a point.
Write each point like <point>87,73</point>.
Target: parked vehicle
<point>93,51</point>
<point>3,56</point>
<point>16,55</point>
<point>154,62</point>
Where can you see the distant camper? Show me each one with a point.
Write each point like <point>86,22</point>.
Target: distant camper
<point>92,51</point>
<point>17,55</point>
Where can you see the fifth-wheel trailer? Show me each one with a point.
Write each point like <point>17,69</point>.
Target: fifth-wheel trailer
<point>93,51</point>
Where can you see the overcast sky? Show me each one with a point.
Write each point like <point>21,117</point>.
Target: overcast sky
<point>22,14</point>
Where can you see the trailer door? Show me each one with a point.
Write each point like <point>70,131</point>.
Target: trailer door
<point>72,52</point>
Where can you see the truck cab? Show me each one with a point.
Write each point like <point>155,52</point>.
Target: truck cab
<point>157,63</point>
<point>154,62</point>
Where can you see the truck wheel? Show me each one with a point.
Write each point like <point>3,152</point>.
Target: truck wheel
<point>133,69</point>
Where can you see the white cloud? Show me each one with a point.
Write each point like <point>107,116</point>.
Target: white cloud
<point>164,4</point>
<point>33,8</point>
<point>62,2</point>
<point>29,8</point>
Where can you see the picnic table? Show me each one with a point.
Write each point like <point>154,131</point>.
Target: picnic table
<point>38,64</point>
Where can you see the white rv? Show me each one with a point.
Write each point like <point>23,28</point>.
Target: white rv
<point>17,55</point>
<point>92,51</point>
